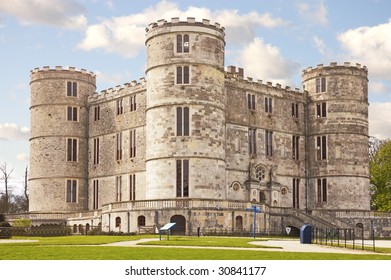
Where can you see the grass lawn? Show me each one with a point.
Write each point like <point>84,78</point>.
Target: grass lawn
<point>86,248</point>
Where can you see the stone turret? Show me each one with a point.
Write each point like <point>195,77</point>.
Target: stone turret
<point>185,117</point>
<point>337,136</point>
<point>59,137</point>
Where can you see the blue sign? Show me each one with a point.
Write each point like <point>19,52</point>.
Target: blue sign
<point>256,210</point>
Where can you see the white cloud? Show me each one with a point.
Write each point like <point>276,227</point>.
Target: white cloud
<point>370,46</point>
<point>10,132</point>
<point>264,61</point>
<point>319,44</point>
<point>380,120</point>
<point>378,87</point>
<point>125,35</point>
<point>316,13</point>
<point>66,14</point>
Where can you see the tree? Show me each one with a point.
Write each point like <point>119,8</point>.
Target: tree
<point>380,176</point>
<point>26,196</point>
<point>5,176</point>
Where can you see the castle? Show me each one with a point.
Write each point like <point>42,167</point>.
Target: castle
<point>197,144</point>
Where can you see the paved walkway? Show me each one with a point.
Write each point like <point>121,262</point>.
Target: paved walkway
<point>285,244</point>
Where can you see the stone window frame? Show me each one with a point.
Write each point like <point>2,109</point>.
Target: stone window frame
<point>321,85</point>
<point>141,221</point>
<point>96,113</point>
<point>182,177</point>
<point>71,190</point>
<point>118,188</point>
<point>252,141</point>
<point>72,148</point>
<point>95,194</point>
<point>72,114</point>
<point>322,190</point>
<point>296,147</point>
<point>269,143</point>
<point>182,43</point>
<point>132,187</point>
<point>321,110</point>
<point>118,222</point>
<point>182,74</point>
<point>183,121</point>
<point>295,110</point>
<point>71,89</point>
<point>268,104</point>
<point>96,151</point>
<point>118,146</point>
<point>251,101</point>
<point>321,147</point>
<point>132,143</point>
<point>296,193</point>
<point>119,106</point>
<point>132,103</point>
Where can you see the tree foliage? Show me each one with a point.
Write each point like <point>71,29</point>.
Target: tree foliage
<point>380,176</point>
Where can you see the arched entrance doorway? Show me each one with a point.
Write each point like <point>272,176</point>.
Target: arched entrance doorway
<point>180,227</point>
<point>239,223</point>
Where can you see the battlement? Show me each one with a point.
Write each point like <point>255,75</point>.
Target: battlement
<point>190,20</point>
<point>335,65</point>
<point>237,74</point>
<point>112,93</point>
<point>61,69</point>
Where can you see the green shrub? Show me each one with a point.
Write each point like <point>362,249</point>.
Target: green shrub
<point>22,223</point>
<point>5,230</point>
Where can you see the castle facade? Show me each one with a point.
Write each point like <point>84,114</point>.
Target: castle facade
<point>197,143</point>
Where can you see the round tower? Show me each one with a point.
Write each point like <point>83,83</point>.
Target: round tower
<point>337,135</point>
<point>185,115</point>
<point>58,143</point>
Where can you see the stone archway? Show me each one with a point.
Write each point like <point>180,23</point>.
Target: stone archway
<point>180,227</point>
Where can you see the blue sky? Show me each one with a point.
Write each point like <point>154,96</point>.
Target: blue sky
<point>271,40</point>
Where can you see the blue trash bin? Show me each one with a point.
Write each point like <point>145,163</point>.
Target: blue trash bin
<point>306,234</point>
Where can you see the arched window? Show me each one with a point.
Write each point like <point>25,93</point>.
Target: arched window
<point>118,222</point>
<point>87,227</point>
<point>75,228</point>
<point>141,221</point>
<point>239,223</point>
<point>262,197</point>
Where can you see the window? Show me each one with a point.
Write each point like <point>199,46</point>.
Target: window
<point>141,221</point>
<point>118,154</point>
<point>95,194</point>
<point>71,190</point>
<point>320,85</point>
<point>132,140</point>
<point>118,222</point>
<point>295,147</point>
<point>120,108</point>
<point>96,113</point>
<point>260,173</point>
<point>133,105</point>
<point>72,89</point>
<point>182,43</point>
<point>71,149</point>
<point>182,75</point>
<point>268,105</point>
<point>321,147</point>
<point>182,118</point>
<point>251,101</point>
<point>269,143</point>
<point>96,151</point>
<point>72,114</point>
<point>252,141</point>
<point>322,190</point>
<point>321,110</point>
<point>182,178</point>
<point>296,192</point>
<point>132,187</point>
<point>118,188</point>
<point>295,110</point>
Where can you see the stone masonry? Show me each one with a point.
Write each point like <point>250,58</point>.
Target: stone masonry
<point>196,143</point>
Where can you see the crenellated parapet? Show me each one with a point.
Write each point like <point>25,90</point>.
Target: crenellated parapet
<point>324,70</point>
<point>59,71</point>
<point>118,91</point>
<point>189,21</point>
<point>236,74</point>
